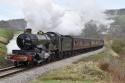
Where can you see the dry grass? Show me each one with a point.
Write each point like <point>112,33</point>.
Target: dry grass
<point>114,68</point>
<point>115,65</point>
<point>83,71</point>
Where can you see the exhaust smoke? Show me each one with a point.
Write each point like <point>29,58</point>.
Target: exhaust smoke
<point>12,45</point>
<point>65,18</point>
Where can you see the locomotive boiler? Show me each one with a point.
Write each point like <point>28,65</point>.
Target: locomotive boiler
<point>50,46</point>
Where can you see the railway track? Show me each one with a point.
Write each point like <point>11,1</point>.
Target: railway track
<point>13,70</point>
<point>8,68</point>
<point>10,71</point>
<point>6,72</point>
<point>24,76</point>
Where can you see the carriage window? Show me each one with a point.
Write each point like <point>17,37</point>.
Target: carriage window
<point>75,42</point>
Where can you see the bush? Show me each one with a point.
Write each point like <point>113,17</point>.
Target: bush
<point>118,45</point>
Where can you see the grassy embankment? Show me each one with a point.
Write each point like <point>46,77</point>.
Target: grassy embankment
<point>5,35</point>
<point>87,70</point>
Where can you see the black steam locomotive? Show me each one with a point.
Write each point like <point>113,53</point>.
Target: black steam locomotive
<point>50,46</point>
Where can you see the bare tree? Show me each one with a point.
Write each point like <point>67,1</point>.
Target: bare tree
<point>91,30</point>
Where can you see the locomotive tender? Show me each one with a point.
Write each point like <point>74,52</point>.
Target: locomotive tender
<point>50,46</point>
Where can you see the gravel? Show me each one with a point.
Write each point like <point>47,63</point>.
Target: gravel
<point>26,76</point>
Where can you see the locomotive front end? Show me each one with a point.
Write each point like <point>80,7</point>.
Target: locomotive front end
<point>33,48</point>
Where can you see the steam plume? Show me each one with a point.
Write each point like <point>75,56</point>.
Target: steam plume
<point>12,45</point>
<point>66,18</point>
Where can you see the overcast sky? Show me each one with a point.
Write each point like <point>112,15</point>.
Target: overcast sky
<point>8,10</point>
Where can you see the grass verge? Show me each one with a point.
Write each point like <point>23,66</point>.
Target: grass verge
<point>85,70</point>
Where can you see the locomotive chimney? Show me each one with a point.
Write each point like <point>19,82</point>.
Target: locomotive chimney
<point>28,31</point>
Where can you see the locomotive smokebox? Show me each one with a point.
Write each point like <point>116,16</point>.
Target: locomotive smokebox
<point>29,41</point>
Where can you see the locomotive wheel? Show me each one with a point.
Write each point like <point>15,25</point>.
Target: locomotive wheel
<point>33,63</point>
<point>25,63</point>
<point>16,64</point>
<point>48,60</point>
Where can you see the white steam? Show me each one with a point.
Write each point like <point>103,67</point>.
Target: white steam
<point>12,45</point>
<point>66,18</point>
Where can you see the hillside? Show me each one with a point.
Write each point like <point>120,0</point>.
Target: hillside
<point>117,28</point>
<point>116,12</point>
<point>16,24</point>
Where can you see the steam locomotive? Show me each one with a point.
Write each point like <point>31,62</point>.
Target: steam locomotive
<point>50,46</point>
